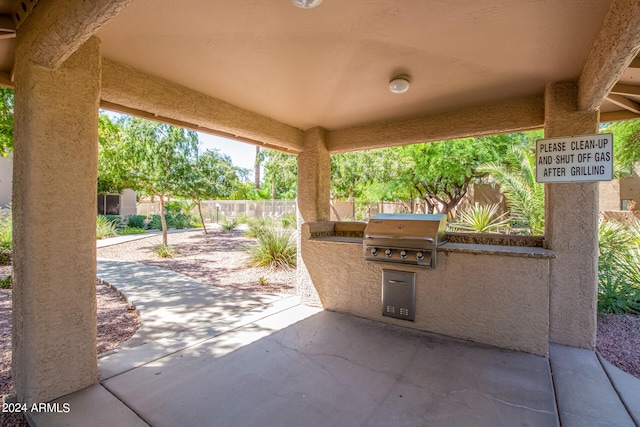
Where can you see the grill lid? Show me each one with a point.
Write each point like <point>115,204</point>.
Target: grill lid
<point>424,227</point>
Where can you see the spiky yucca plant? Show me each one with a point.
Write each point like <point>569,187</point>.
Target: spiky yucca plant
<point>481,219</point>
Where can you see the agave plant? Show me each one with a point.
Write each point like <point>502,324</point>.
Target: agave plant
<point>481,219</point>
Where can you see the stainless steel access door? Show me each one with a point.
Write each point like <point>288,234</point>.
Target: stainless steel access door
<point>399,294</point>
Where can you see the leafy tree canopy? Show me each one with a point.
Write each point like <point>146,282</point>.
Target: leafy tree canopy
<point>280,173</point>
<point>6,121</point>
<point>626,142</point>
<point>211,175</point>
<point>148,157</point>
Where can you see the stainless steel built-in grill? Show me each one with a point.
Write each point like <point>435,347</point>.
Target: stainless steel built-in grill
<point>405,239</point>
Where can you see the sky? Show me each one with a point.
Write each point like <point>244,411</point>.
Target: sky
<point>241,153</point>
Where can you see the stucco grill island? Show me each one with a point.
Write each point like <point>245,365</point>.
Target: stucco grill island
<point>404,239</point>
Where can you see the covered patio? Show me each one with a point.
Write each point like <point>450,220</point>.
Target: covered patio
<point>314,82</point>
<point>208,356</point>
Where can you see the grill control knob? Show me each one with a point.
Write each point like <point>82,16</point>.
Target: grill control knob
<point>374,251</point>
<point>403,253</point>
<point>387,252</point>
<point>419,255</point>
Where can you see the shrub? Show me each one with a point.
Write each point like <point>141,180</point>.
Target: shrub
<point>105,227</point>
<point>6,237</point>
<point>156,222</point>
<point>135,221</point>
<point>164,251</point>
<point>618,268</point>
<point>6,282</point>
<point>195,221</point>
<point>181,221</point>
<point>229,224</point>
<point>274,248</point>
<point>131,230</point>
<point>115,219</point>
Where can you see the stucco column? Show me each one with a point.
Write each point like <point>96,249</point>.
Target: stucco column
<point>571,229</point>
<point>314,186</point>
<point>54,211</point>
<point>314,177</point>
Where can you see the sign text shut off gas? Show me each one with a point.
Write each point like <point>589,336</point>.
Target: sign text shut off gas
<point>584,158</point>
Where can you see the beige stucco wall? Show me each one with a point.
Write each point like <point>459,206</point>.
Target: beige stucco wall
<point>486,298</point>
<point>609,195</point>
<point>128,203</point>
<point>6,177</point>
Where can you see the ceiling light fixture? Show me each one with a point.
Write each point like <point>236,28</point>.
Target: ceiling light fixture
<point>399,84</point>
<point>306,4</point>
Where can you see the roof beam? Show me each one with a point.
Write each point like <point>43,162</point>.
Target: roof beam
<point>151,97</point>
<point>635,63</point>
<point>618,116</point>
<point>625,103</point>
<point>621,89</point>
<point>186,125</point>
<point>54,30</point>
<point>510,116</point>
<point>616,46</point>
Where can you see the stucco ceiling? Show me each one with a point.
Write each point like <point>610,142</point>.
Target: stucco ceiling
<point>330,66</point>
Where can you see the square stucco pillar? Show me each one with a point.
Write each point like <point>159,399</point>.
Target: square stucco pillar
<point>54,211</point>
<point>314,186</point>
<point>571,230</point>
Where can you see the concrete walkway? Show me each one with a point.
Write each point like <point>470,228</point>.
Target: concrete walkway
<point>205,356</point>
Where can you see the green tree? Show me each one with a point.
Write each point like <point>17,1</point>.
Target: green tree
<point>280,173</point>
<point>146,156</point>
<point>626,140</point>
<point>441,172</point>
<point>111,177</point>
<point>353,174</point>
<point>6,121</point>
<point>211,175</point>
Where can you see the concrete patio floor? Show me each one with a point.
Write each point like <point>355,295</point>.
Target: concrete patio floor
<point>209,357</point>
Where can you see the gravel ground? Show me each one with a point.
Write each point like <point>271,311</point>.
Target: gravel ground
<point>218,258</point>
<point>618,341</point>
<point>117,322</point>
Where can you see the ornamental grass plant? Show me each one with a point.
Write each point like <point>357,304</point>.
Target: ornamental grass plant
<point>275,248</point>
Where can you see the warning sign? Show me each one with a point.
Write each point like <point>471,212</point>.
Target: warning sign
<point>584,158</point>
